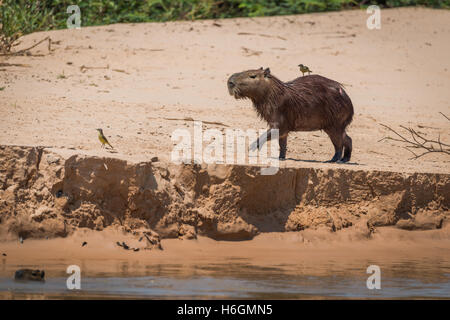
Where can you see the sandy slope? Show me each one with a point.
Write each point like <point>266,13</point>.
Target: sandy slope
<point>398,75</point>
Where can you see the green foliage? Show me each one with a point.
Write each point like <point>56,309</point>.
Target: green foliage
<point>24,16</point>
<point>18,17</point>
<point>429,3</point>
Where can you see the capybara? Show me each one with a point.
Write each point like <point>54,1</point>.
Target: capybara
<point>307,103</point>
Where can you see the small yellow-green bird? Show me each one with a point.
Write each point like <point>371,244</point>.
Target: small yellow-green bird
<point>103,139</point>
<point>304,69</point>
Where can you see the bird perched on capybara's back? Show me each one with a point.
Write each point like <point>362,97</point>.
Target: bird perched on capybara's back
<point>307,103</point>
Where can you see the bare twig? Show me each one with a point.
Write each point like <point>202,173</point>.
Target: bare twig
<point>419,141</point>
<point>445,116</point>
<point>18,53</point>
<point>83,68</point>
<point>191,119</point>
<point>260,34</point>
<point>5,64</point>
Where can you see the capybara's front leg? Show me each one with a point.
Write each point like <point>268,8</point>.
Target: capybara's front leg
<point>266,136</point>
<point>283,147</point>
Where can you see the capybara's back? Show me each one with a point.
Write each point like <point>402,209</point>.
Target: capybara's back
<point>326,99</point>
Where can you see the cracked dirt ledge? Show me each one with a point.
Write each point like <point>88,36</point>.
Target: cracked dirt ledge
<point>44,194</point>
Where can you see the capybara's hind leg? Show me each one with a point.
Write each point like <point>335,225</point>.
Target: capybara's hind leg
<point>338,143</point>
<point>347,149</point>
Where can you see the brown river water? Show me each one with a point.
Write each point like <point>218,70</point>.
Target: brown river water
<point>403,279</point>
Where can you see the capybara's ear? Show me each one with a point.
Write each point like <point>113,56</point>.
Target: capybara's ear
<point>261,68</point>
<point>266,72</point>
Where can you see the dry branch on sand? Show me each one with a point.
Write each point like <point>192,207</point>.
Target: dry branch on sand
<point>6,51</point>
<point>419,141</point>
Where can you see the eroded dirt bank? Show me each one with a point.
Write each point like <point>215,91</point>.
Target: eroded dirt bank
<point>44,194</point>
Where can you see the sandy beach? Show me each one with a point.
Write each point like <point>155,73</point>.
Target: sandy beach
<point>130,79</point>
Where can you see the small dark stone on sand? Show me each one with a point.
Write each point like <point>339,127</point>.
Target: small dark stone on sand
<point>84,243</point>
<point>28,274</point>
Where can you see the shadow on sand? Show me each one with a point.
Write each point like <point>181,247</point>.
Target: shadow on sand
<point>317,161</point>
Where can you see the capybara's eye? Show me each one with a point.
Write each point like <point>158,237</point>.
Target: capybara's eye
<point>253,76</point>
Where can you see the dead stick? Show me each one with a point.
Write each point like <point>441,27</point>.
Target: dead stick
<point>445,116</point>
<point>24,50</point>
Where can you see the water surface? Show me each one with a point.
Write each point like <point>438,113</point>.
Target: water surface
<point>403,279</point>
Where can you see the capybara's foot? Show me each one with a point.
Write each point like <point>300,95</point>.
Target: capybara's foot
<point>344,160</point>
<point>337,156</point>
<point>282,158</point>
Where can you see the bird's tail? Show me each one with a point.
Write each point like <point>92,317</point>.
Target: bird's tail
<point>109,144</point>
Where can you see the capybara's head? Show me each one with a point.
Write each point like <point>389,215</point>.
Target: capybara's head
<point>249,84</point>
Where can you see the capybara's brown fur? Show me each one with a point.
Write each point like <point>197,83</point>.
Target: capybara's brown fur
<point>307,103</point>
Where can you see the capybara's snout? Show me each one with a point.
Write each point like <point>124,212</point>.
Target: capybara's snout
<point>231,83</point>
